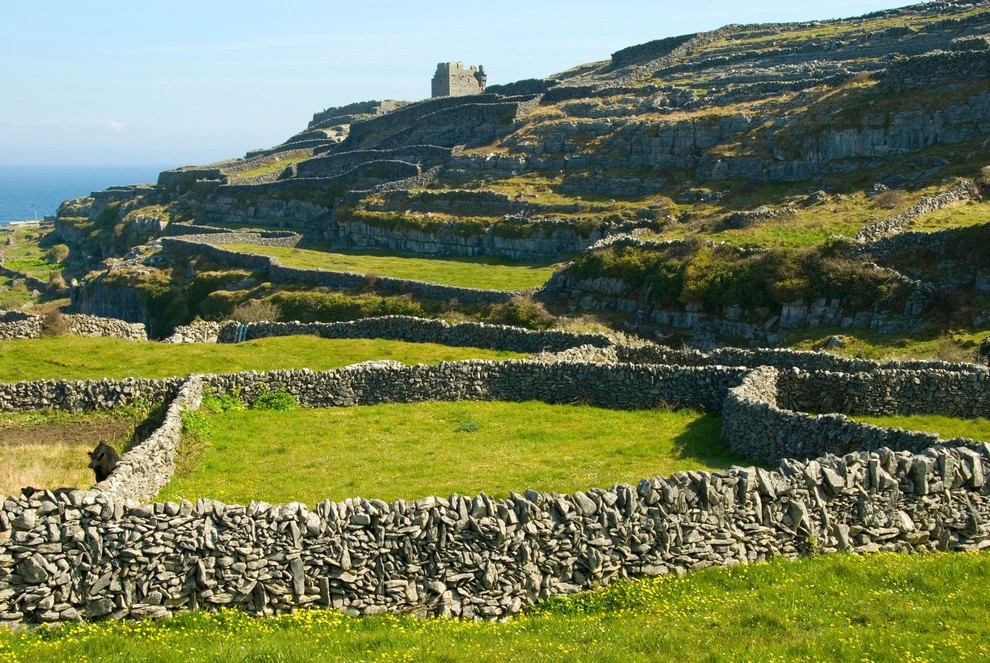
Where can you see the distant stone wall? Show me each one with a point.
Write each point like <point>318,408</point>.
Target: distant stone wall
<point>501,337</point>
<point>199,331</point>
<point>23,326</point>
<point>961,193</point>
<point>340,163</point>
<point>419,330</point>
<point>650,353</point>
<point>206,245</point>
<point>623,386</point>
<point>938,67</point>
<point>544,240</point>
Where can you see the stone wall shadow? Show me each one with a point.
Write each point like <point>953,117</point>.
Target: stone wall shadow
<point>701,442</point>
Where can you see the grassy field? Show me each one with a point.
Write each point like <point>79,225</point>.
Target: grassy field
<point>48,449</point>
<point>483,272</point>
<point>884,607</point>
<point>79,358</point>
<point>415,450</point>
<point>24,254</point>
<point>273,167</point>
<point>13,296</point>
<point>946,427</point>
<point>970,214</point>
<point>949,346</point>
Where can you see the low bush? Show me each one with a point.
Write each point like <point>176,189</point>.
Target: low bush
<point>521,311</point>
<point>890,199</point>
<point>54,323</point>
<point>256,310</point>
<point>219,403</point>
<point>318,306</point>
<point>718,275</point>
<point>57,254</point>
<point>279,401</point>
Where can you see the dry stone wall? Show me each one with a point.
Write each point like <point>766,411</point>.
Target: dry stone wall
<point>419,330</point>
<point>961,193</point>
<point>91,555</point>
<point>502,337</point>
<point>18,325</point>
<point>84,395</point>
<point>756,423</point>
<point>107,553</point>
<point>146,469</point>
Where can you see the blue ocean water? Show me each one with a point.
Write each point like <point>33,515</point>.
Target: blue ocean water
<point>29,191</point>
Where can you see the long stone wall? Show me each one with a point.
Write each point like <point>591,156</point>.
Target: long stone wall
<point>961,193</point>
<point>419,330</point>
<point>91,555</point>
<point>502,337</point>
<point>206,245</point>
<point>84,395</point>
<point>17,325</point>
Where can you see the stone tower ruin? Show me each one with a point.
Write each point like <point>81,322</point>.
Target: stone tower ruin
<point>453,80</point>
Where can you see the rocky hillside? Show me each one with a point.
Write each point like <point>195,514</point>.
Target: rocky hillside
<point>772,136</point>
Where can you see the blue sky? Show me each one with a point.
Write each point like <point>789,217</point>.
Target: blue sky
<point>177,82</point>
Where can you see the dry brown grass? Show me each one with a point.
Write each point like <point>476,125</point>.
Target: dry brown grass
<point>53,465</point>
<point>49,449</point>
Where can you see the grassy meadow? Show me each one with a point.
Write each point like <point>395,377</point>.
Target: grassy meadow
<point>81,358</point>
<point>946,427</point>
<point>434,448</point>
<point>862,344</point>
<point>885,607</point>
<point>481,272</point>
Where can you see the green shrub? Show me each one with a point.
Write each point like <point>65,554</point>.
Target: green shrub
<point>217,404</point>
<point>57,254</point>
<point>337,307</point>
<point>722,275</point>
<point>281,401</point>
<point>197,425</point>
<point>256,310</point>
<point>54,323</point>
<point>521,311</point>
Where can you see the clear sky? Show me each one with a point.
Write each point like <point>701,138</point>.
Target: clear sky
<point>174,82</point>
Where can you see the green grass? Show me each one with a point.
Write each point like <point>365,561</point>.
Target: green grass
<point>885,608</point>
<point>273,167</point>
<point>808,226</point>
<point>79,358</point>
<point>13,296</point>
<point>970,214</point>
<point>416,450</point>
<point>482,272</point>
<point>25,254</point>
<point>946,427</point>
<point>861,344</point>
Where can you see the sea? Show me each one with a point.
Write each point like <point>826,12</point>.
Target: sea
<point>30,192</point>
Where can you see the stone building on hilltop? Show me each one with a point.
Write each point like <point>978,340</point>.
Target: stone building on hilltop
<point>453,80</point>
